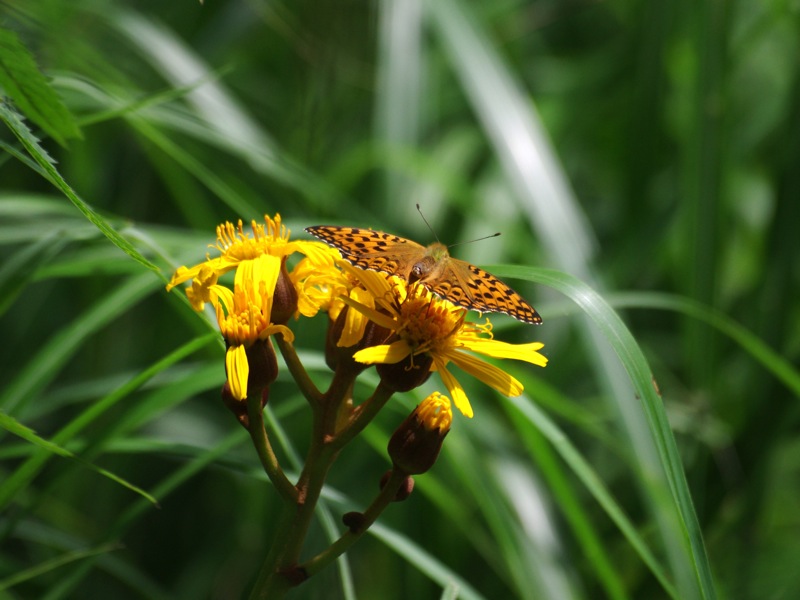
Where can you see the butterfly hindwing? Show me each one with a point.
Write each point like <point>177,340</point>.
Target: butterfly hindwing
<point>473,288</point>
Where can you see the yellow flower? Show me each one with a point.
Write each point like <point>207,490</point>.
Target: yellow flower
<point>426,325</point>
<point>236,247</point>
<point>244,316</point>
<point>319,283</point>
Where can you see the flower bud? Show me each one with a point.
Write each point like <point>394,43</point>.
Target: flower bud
<point>409,373</point>
<point>263,366</point>
<point>405,489</point>
<point>336,356</point>
<point>415,445</point>
<point>284,302</point>
<point>354,521</point>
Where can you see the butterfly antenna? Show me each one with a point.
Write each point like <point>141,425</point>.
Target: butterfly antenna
<point>486,237</point>
<point>426,223</point>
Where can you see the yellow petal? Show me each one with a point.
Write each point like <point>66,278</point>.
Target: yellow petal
<point>267,268</point>
<point>238,371</point>
<point>222,295</point>
<point>376,283</point>
<point>373,315</point>
<point>287,333</point>
<point>354,325</point>
<point>385,353</point>
<point>489,374</point>
<point>355,322</point>
<point>456,391</point>
<point>527,352</point>
<point>182,274</point>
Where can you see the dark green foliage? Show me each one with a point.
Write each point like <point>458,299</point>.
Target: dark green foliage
<point>647,149</point>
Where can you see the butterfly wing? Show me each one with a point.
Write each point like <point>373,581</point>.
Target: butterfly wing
<point>458,281</point>
<point>466,285</point>
<point>373,250</point>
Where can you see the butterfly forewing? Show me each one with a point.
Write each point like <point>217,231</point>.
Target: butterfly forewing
<point>458,281</point>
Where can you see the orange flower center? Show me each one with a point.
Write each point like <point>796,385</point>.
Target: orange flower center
<point>426,321</point>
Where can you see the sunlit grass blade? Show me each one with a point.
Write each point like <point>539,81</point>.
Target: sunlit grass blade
<point>668,490</point>
<point>520,143</point>
<point>399,102</point>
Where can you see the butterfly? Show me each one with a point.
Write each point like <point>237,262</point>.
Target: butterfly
<point>455,280</point>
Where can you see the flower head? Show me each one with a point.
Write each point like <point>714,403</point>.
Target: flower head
<point>430,329</point>
<point>245,318</point>
<point>236,246</point>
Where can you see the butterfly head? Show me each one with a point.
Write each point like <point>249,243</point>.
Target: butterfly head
<point>430,265</point>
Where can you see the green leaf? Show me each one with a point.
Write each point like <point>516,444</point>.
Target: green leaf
<point>28,87</point>
<point>46,163</point>
<point>667,489</point>
<point>13,426</point>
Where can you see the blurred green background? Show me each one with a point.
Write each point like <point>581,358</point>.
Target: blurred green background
<point>649,149</point>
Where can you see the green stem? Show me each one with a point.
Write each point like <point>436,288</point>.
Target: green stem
<point>269,461</point>
<point>280,572</point>
<point>363,415</point>
<point>298,371</point>
<point>350,537</point>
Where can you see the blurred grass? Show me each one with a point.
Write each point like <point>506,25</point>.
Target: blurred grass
<point>639,148</point>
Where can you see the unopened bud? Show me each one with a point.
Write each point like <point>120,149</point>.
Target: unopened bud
<point>336,355</point>
<point>354,521</point>
<point>405,489</point>
<point>409,373</point>
<point>284,302</point>
<point>415,445</point>
<point>263,366</point>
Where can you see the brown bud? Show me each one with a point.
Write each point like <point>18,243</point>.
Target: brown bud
<point>409,373</point>
<point>336,356</point>
<point>284,302</point>
<point>354,521</point>
<point>295,574</point>
<point>237,407</point>
<point>404,491</point>
<point>263,366</point>
<point>415,445</point>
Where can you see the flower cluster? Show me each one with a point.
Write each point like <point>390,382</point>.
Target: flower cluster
<point>401,328</point>
<point>420,332</point>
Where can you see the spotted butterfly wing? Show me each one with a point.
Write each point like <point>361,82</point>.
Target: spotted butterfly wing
<point>458,281</point>
<point>481,291</point>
